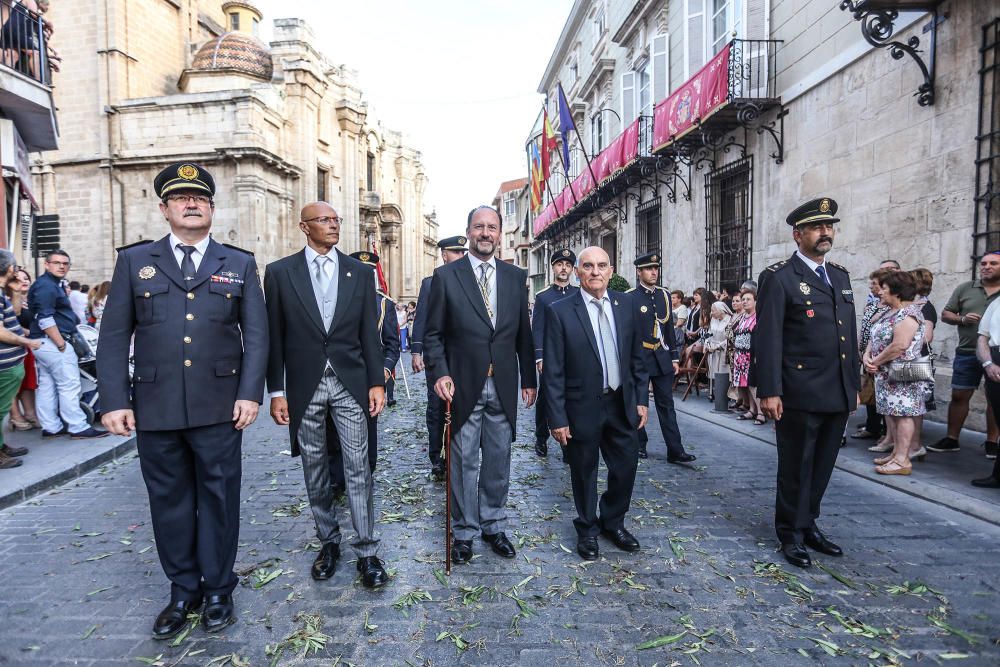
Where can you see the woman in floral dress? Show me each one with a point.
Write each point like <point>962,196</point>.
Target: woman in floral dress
<point>899,335</point>
<point>742,341</point>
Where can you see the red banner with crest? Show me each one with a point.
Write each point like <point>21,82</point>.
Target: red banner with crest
<point>701,96</point>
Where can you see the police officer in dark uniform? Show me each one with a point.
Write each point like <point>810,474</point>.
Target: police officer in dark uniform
<point>197,312</point>
<point>562,262</point>
<point>388,327</point>
<point>655,319</point>
<point>452,248</point>
<point>806,373</point>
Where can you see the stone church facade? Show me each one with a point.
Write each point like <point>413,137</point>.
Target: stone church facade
<point>278,125</point>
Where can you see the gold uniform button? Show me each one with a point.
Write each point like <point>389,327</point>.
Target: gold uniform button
<point>842,338</point>
<point>229,295</point>
<point>234,371</point>
<point>190,295</point>
<point>843,356</point>
<point>187,339</point>
<point>840,322</point>
<point>809,303</point>
<point>187,362</point>
<point>189,316</point>
<point>798,366</point>
<point>146,295</point>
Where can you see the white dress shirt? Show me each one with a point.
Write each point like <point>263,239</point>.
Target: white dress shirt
<point>588,300</point>
<point>813,265</point>
<point>199,250</point>
<point>492,279</point>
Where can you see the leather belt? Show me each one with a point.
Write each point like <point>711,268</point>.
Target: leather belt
<point>652,346</point>
<point>609,390</point>
<point>489,371</point>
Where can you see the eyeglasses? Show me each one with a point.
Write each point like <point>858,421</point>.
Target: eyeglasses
<point>326,220</point>
<point>200,200</point>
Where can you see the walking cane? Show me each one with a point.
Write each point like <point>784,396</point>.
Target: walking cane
<point>406,384</point>
<point>446,455</point>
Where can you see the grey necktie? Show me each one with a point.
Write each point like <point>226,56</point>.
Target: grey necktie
<point>322,279</point>
<point>606,339</point>
<point>187,264</point>
<point>484,286</point>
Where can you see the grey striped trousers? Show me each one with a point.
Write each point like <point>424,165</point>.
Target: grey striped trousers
<point>352,426</point>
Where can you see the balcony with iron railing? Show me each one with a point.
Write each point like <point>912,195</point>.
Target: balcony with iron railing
<point>25,76</point>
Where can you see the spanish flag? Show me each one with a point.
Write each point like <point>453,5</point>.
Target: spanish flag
<point>549,144</point>
<point>537,184</point>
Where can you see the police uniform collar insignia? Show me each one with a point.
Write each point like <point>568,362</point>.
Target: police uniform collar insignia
<point>804,288</point>
<point>147,272</point>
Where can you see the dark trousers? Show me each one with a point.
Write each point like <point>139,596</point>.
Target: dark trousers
<point>993,388</point>
<point>435,425</point>
<point>193,479</point>
<point>874,422</point>
<point>336,455</point>
<point>390,389</point>
<point>541,425</point>
<point>808,444</point>
<point>618,443</point>
<point>663,397</point>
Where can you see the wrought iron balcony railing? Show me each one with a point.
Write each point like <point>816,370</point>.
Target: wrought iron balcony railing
<point>23,42</point>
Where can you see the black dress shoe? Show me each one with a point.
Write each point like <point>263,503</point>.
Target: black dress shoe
<point>173,618</point>
<point>623,539</point>
<point>437,470</point>
<point>587,548</point>
<point>326,562</point>
<point>542,448</point>
<point>797,555</point>
<point>54,434</point>
<point>682,458</point>
<point>219,612</point>
<point>391,402</point>
<point>500,544</point>
<point>461,551</point>
<point>642,453</point>
<point>818,542</point>
<point>373,574</point>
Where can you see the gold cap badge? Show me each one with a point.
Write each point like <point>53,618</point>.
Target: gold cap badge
<point>462,240</point>
<point>147,272</point>
<point>824,206</point>
<point>364,257</point>
<point>188,172</point>
<point>655,258</point>
<point>565,253</point>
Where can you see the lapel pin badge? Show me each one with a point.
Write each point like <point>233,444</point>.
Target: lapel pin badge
<point>804,288</point>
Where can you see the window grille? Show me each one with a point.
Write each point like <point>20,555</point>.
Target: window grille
<point>729,225</point>
<point>986,218</point>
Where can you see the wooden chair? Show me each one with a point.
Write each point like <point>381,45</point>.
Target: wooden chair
<point>692,373</point>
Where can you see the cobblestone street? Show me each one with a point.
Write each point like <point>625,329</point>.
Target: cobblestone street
<point>918,583</point>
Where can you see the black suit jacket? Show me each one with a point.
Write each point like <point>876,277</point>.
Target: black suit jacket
<point>543,299</point>
<point>461,342</point>
<point>420,317</point>
<point>199,346</point>
<point>300,346</point>
<point>388,326</point>
<point>573,375</point>
<point>805,345</point>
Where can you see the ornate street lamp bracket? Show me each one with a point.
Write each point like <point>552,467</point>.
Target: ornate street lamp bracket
<point>877,19</point>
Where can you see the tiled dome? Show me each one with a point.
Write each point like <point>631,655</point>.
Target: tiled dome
<point>235,51</point>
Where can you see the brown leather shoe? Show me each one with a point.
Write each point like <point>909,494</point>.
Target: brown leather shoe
<point>8,461</point>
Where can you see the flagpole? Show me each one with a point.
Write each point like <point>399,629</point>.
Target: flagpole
<point>562,94</point>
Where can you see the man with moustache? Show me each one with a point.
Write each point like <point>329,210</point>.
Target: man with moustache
<point>196,312</point>
<point>596,383</point>
<point>326,361</point>
<point>477,324</point>
<point>807,373</point>
<point>659,350</point>
<point>452,248</point>
<point>562,266</point>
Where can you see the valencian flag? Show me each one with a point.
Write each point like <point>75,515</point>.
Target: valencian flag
<point>548,144</point>
<point>537,183</point>
<point>382,284</point>
<point>565,126</point>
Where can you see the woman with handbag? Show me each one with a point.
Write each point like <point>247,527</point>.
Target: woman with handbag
<point>902,375</point>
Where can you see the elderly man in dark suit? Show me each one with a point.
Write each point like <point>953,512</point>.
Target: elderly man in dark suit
<point>807,373</point>
<point>326,361</point>
<point>478,340</point>
<point>452,248</point>
<point>197,313</point>
<point>597,398</point>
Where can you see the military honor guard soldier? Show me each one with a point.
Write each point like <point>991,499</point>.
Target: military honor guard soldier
<point>197,313</point>
<point>597,396</point>
<point>655,319</point>
<point>388,327</point>
<point>451,248</point>
<point>562,262</point>
<point>807,373</point>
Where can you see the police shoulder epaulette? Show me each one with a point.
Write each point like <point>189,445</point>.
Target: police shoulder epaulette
<point>838,266</point>
<point>777,265</point>
<point>133,245</point>
<point>238,248</point>
<point>629,290</point>
<point>544,289</point>
<point>663,289</point>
